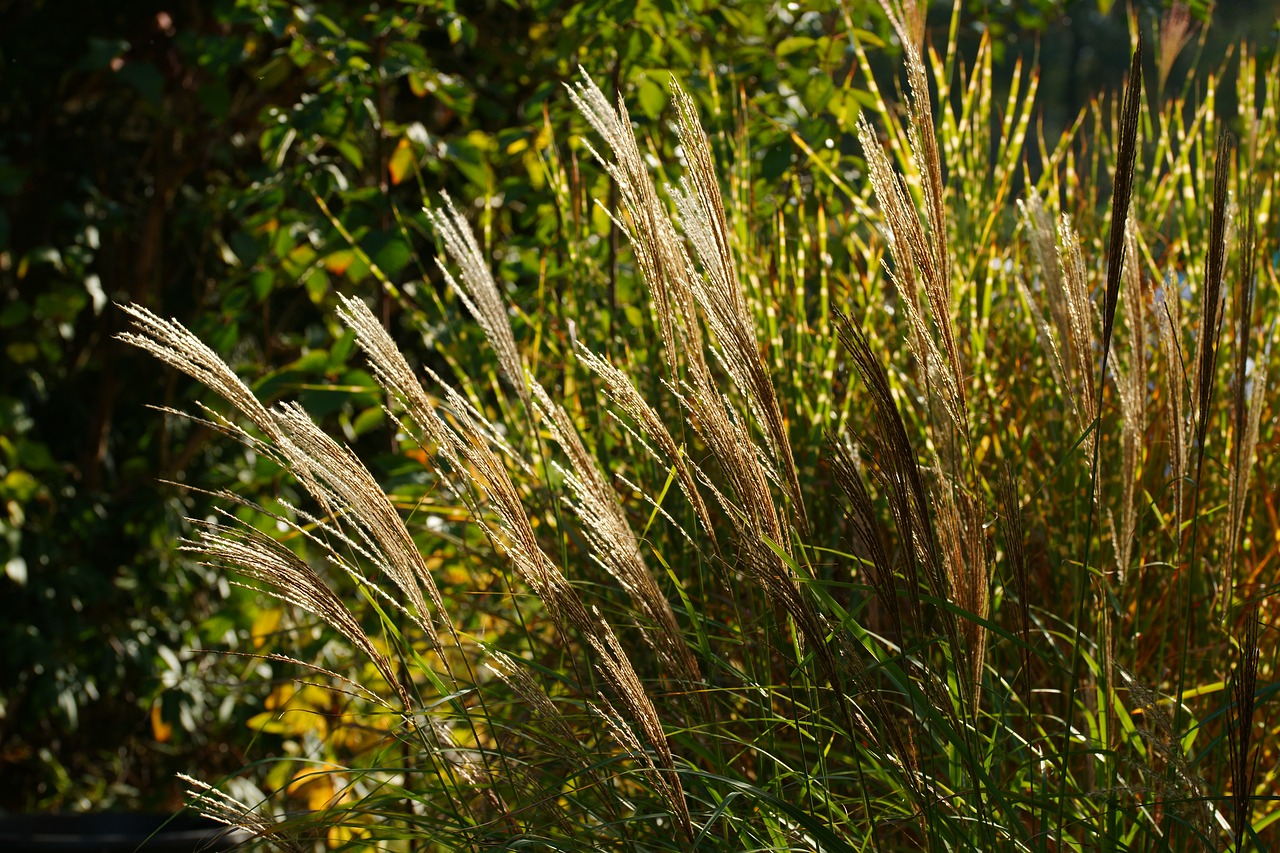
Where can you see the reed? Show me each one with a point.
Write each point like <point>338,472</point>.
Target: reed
<point>814,560</point>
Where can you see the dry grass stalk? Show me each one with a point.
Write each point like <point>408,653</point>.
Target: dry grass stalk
<point>1245,453</point>
<point>470,443</point>
<point>1075,316</point>
<point>866,526</point>
<point>350,493</point>
<point>1122,191</point>
<point>893,730</point>
<point>289,578</point>
<point>623,392</point>
<point>914,514</point>
<point>390,370</point>
<point>550,585</point>
<point>330,473</point>
<point>718,292</point>
<point>336,479</point>
<point>1044,241</point>
<point>1211,295</point>
<point>908,20</point>
<point>514,675</point>
<point>936,274</point>
<point>1131,391</point>
<point>1168,321</point>
<point>666,267</point>
<point>1175,32</point>
<point>964,556</point>
<point>764,548</point>
<point>614,544</point>
<point>1247,412</point>
<point>720,295</point>
<point>758,528</point>
<point>754,514</point>
<point>897,467</point>
<point>173,344</point>
<point>478,292</point>
<point>557,738</point>
<point>661,777</point>
<point>1185,793</point>
<point>225,809</point>
<point>1244,686</point>
<point>1015,549</point>
<point>663,260</point>
<point>394,375</point>
<point>1071,340</point>
<point>679,288</point>
<point>922,258</point>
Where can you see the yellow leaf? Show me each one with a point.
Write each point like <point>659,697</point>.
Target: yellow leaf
<point>266,723</point>
<point>340,836</point>
<point>264,625</point>
<point>401,162</point>
<point>281,695</point>
<point>312,696</point>
<point>418,84</point>
<point>317,785</point>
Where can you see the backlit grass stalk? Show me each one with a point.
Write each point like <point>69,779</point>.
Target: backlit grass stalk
<point>1122,188</point>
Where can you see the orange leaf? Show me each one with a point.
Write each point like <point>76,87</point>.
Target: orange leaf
<point>338,261</point>
<point>160,730</point>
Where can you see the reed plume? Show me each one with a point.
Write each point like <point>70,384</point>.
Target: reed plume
<point>333,475</point>
<point>719,293</point>
<point>1211,295</point>
<point>478,290</point>
<point>614,544</point>
<point>1248,385</point>
<point>1121,194</point>
<point>1242,759</point>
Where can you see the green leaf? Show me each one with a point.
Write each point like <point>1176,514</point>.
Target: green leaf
<point>389,251</point>
<point>788,46</point>
<point>651,95</point>
<point>350,151</point>
<point>261,283</point>
<point>369,419</point>
<point>317,284</point>
<point>13,314</point>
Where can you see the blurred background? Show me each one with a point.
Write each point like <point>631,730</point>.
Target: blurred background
<point>215,160</point>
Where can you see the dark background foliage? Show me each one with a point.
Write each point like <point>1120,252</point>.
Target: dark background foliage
<point>198,158</point>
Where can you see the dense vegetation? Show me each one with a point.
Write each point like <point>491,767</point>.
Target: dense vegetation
<point>174,155</point>
<point>1046,510</point>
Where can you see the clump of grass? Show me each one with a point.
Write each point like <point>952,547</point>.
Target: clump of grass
<point>781,582</point>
